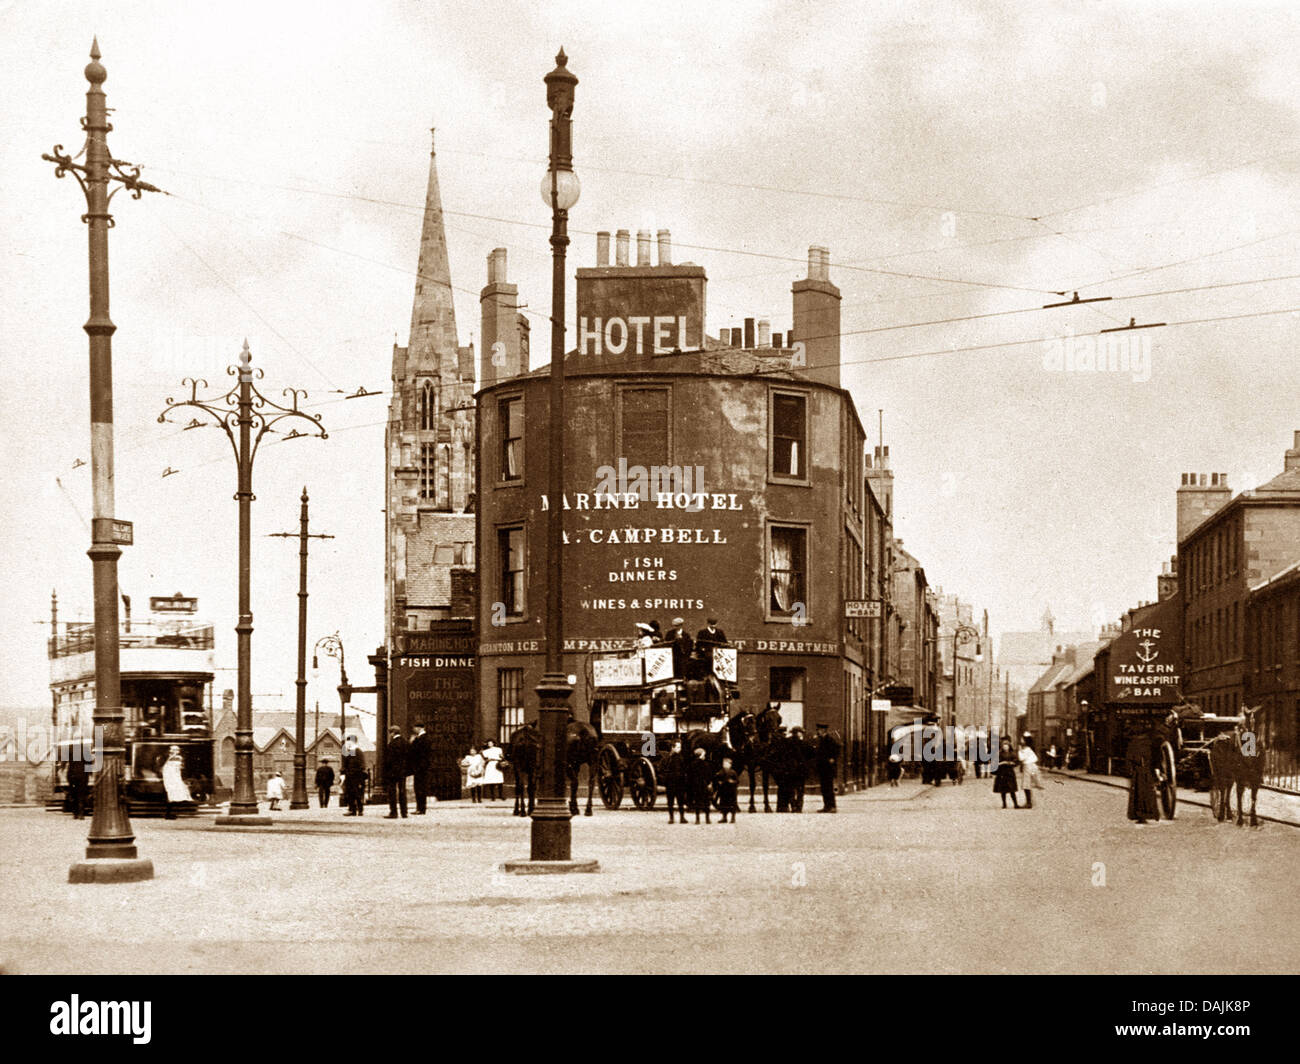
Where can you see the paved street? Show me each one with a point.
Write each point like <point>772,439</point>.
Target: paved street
<point>906,880</point>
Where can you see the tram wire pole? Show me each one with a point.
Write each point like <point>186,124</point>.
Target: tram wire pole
<point>299,799</point>
<point>245,415</point>
<point>111,853</point>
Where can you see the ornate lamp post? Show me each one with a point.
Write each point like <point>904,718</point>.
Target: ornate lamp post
<point>246,415</point>
<point>551,824</point>
<point>333,647</point>
<point>111,854</point>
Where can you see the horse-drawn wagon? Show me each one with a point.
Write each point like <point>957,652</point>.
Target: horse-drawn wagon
<point>640,708</point>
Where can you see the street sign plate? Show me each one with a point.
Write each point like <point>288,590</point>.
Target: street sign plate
<point>862,607</point>
<point>112,530</point>
<point>881,705</point>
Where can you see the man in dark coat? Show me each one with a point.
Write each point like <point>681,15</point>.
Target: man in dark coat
<point>421,767</point>
<point>672,772</point>
<point>355,776</point>
<point>801,752</point>
<point>699,774</point>
<point>324,781</point>
<point>78,782</point>
<point>681,643</point>
<point>827,747</point>
<point>1142,781</point>
<point>397,756</point>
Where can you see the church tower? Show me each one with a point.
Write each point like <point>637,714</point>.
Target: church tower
<point>429,562</point>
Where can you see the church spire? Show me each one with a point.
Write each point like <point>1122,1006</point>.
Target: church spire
<point>433,340</point>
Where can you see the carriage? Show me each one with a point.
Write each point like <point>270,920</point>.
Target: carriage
<point>640,708</point>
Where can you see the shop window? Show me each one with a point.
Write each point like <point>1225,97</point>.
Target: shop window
<point>510,703</point>
<point>786,688</point>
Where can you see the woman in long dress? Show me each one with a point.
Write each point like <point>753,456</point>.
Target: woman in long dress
<point>1004,780</point>
<point>1142,781</point>
<point>1030,780</point>
<point>493,779</point>
<point>174,786</point>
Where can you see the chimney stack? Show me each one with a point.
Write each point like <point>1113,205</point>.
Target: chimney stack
<point>602,248</point>
<point>622,239</point>
<point>1292,458</point>
<point>665,248</point>
<point>1197,498</point>
<point>817,318</point>
<point>501,352</point>
<point>643,247</point>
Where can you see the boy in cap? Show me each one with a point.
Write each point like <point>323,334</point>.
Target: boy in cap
<point>726,784</point>
<point>681,643</point>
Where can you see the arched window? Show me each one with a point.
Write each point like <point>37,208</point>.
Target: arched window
<point>426,406</point>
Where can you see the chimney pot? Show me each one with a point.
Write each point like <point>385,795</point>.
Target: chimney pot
<point>764,333</point>
<point>749,333</point>
<point>776,339</point>
<point>621,241</point>
<point>643,247</point>
<point>602,248</point>
<point>1297,440</point>
<point>665,248</point>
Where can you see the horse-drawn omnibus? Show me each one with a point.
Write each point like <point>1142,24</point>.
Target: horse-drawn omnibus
<point>640,708</point>
<point>166,668</point>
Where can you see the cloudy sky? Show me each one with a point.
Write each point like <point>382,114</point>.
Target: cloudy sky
<point>962,162</point>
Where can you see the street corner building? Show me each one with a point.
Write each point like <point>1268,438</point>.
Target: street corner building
<point>704,477</point>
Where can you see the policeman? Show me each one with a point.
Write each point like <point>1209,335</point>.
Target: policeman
<point>828,747</point>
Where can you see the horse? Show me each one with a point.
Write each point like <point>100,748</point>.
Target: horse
<point>1237,760</point>
<point>581,745</point>
<point>751,737</point>
<point>521,751</point>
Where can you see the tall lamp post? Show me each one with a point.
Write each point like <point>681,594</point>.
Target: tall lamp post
<point>111,854</point>
<point>246,415</point>
<point>551,835</point>
<point>299,799</point>
<point>333,647</point>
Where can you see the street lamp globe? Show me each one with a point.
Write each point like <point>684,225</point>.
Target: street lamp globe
<point>560,189</point>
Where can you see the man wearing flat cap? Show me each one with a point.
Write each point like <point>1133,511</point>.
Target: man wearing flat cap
<point>828,747</point>
<point>680,641</point>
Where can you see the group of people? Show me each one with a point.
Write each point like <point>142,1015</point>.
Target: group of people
<point>484,777</point>
<point>1017,771</point>
<point>689,655</point>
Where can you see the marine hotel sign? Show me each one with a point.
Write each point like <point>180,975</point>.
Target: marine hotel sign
<point>1140,670</point>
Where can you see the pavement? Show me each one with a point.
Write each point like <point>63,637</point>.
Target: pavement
<point>1280,807</point>
<point>906,879</point>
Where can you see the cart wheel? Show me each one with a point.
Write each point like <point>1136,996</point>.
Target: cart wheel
<point>641,783</point>
<point>1216,800</point>
<point>610,770</point>
<point>1168,788</point>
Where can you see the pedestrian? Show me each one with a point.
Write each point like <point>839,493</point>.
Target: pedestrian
<point>174,789</point>
<point>324,781</point>
<point>1052,757</point>
<point>799,753</point>
<point>827,748</point>
<point>1142,781</point>
<point>355,776</point>
<point>1028,758</point>
<point>494,780</point>
<point>1004,779</point>
<point>274,788</point>
<point>397,766</point>
<point>676,785</point>
<point>894,768</point>
<point>699,776</point>
<point>421,767</point>
<point>78,780</point>
<point>726,785</point>
<point>472,763</point>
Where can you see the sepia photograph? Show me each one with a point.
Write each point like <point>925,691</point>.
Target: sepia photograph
<point>869,428</point>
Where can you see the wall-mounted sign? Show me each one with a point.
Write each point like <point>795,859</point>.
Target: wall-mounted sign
<point>862,607</point>
<point>620,671</point>
<point>1140,668</point>
<point>177,603</point>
